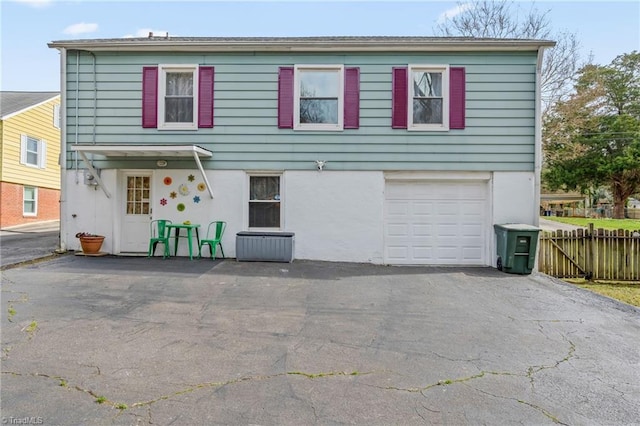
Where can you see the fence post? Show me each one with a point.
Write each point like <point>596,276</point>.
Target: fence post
<point>590,258</point>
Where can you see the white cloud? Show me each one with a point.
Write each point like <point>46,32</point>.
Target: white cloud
<point>144,32</point>
<point>450,13</point>
<point>35,3</point>
<point>81,28</point>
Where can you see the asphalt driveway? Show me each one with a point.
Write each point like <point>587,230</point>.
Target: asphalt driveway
<point>95,341</point>
<point>25,243</point>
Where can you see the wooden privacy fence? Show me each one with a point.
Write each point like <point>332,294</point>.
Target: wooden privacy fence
<point>593,254</point>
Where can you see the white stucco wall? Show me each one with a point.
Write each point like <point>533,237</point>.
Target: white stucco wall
<point>336,216</point>
<point>87,209</point>
<point>514,201</point>
<point>513,197</point>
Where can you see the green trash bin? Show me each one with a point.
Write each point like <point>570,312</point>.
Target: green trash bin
<point>516,244</point>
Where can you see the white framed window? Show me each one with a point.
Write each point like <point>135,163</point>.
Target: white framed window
<point>178,97</point>
<point>29,201</point>
<point>428,98</point>
<point>318,95</point>
<point>265,202</point>
<point>33,152</point>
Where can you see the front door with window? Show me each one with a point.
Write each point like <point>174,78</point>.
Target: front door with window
<point>135,209</point>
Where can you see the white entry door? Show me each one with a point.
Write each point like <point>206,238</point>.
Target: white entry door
<point>436,223</point>
<point>135,211</point>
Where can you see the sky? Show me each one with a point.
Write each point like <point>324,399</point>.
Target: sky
<point>605,29</point>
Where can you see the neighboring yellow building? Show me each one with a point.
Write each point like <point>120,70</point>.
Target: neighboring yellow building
<point>29,157</point>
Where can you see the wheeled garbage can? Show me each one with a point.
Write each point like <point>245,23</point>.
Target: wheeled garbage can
<point>516,246</point>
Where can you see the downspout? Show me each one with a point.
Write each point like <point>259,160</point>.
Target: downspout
<point>95,99</point>
<point>538,140</point>
<point>63,152</point>
<point>89,164</point>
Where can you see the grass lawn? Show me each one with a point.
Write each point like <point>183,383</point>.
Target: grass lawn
<point>624,292</point>
<point>628,224</point>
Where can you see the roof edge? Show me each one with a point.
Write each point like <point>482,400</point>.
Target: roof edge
<point>300,44</point>
<point>27,108</point>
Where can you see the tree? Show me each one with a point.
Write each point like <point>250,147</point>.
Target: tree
<point>593,137</point>
<point>505,19</point>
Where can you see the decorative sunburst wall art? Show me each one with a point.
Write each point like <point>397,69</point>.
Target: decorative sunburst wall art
<point>183,190</point>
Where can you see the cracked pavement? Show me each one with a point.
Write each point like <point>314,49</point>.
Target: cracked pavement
<point>136,341</point>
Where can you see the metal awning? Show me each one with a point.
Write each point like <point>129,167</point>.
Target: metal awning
<point>155,151</point>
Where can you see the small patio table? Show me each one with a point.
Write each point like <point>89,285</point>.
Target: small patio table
<point>176,234</point>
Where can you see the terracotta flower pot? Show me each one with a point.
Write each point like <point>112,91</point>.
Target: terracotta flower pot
<point>91,245</point>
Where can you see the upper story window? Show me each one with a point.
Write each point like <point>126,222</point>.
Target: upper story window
<point>319,97</point>
<point>32,152</point>
<point>177,99</point>
<point>428,97</point>
<point>428,107</point>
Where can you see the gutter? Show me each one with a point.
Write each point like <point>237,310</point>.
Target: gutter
<point>303,44</point>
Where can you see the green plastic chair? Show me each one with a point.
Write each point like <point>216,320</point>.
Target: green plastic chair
<point>213,239</point>
<point>159,234</point>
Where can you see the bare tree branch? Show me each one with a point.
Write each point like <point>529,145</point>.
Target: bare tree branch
<point>506,19</point>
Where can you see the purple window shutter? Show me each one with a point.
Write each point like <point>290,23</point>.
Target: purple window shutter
<point>150,97</point>
<point>285,98</point>
<point>351,98</point>
<point>205,97</point>
<point>399,97</point>
<point>456,98</point>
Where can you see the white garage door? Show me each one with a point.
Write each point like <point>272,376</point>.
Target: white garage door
<point>436,223</point>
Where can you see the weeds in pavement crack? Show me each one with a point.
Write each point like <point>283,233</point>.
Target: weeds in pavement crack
<point>11,312</point>
<point>31,328</point>
<point>538,368</point>
<point>543,411</point>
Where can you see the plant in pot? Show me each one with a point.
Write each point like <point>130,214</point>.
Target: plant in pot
<point>91,243</point>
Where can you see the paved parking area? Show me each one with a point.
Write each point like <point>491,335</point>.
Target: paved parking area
<point>25,243</point>
<point>95,341</point>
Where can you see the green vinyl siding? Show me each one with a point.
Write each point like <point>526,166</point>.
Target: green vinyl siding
<point>500,113</point>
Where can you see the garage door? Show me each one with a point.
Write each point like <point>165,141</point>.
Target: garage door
<point>436,223</point>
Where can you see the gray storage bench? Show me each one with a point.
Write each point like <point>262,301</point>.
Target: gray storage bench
<point>265,246</point>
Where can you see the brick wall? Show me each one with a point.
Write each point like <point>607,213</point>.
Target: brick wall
<point>48,205</point>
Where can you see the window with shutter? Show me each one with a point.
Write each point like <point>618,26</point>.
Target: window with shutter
<point>319,97</point>
<point>428,98</point>
<point>177,97</point>
<point>32,152</point>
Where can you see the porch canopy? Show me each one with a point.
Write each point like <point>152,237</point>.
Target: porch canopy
<point>149,151</point>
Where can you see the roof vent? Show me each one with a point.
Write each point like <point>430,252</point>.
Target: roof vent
<point>166,35</point>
